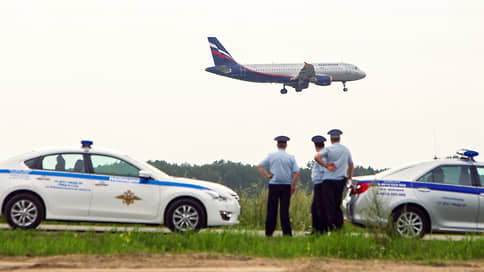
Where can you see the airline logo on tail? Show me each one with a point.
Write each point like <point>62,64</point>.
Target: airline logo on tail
<point>220,55</point>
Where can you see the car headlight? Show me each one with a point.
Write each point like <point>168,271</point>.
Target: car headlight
<point>217,196</point>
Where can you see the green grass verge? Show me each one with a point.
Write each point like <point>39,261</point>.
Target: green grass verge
<point>338,245</point>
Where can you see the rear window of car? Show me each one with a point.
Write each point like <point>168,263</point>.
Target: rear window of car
<point>63,162</point>
<point>32,163</point>
<point>399,173</point>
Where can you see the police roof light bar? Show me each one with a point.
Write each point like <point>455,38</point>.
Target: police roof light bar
<point>86,143</point>
<point>467,153</point>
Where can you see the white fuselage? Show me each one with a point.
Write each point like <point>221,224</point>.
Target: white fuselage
<point>338,71</point>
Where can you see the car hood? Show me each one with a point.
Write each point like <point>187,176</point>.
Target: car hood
<point>211,185</point>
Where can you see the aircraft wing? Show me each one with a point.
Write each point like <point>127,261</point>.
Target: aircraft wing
<point>306,73</point>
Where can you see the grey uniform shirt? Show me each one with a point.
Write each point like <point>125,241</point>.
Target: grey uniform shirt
<point>281,165</point>
<point>317,173</point>
<point>340,156</point>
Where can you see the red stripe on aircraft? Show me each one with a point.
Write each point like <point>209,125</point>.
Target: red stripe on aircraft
<point>248,69</point>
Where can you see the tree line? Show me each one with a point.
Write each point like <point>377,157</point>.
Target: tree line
<point>243,178</point>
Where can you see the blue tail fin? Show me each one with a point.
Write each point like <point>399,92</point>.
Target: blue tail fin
<point>220,55</point>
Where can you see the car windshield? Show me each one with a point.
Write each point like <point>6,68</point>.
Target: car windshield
<point>154,169</point>
<point>148,166</point>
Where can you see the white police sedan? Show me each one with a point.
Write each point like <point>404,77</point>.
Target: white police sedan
<point>443,195</point>
<point>90,184</point>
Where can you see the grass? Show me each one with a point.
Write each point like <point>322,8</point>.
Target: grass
<point>254,209</point>
<point>343,244</point>
<point>337,245</point>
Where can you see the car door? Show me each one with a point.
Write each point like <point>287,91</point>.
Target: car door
<point>119,194</point>
<point>448,194</point>
<point>480,177</point>
<point>65,185</point>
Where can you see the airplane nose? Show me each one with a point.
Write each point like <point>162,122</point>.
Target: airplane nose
<point>362,74</point>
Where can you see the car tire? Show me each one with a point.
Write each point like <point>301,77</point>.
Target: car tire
<point>24,211</point>
<point>185,215</point>
<point>410,222</point>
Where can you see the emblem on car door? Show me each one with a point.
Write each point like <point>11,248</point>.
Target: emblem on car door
<point>128,197</point>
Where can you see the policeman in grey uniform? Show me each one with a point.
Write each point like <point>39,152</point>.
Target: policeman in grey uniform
<point>283,176</point>
<point>339,162</point>
<point>319,218</point>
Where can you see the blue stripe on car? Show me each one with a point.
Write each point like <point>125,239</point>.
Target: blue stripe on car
<point>432,186</point>
<point>104,178</point>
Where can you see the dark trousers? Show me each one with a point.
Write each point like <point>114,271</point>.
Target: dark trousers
<point>335,190</point>
<point>318,210</point>
<point>278,194</point>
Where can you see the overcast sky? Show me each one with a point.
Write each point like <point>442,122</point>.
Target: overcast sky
<point>129,75</point>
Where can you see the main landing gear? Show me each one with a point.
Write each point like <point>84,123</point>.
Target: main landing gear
<point>284,90</point>
<point>344,87</point>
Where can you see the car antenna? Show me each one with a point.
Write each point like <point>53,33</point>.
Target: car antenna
<point>435,146</point>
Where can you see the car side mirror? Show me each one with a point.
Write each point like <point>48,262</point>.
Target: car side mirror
<point>145,175</point>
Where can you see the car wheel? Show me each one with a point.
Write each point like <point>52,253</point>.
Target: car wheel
<point>24,211</point>
<point>185,214</point>
<point>410,222</point>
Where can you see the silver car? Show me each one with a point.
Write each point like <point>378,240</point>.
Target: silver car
<point>442,195</point>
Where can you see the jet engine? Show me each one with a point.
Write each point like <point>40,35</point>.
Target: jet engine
<point>322,80</point>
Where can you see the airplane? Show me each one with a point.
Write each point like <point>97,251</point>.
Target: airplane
<point>297,76</point>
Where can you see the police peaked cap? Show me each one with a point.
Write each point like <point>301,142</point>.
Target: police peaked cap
<point>282,138</point>
<point>318,139</point>
<point>335,132</point>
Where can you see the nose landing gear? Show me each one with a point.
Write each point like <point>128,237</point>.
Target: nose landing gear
<point>344,87</point>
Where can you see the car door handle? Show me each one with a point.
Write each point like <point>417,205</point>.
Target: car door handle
<point>43,178</point>
<point>424,190</point>
<point>102,184</point>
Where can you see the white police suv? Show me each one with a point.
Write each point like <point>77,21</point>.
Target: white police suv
<point>90,184</point>
<point>443,195</point>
